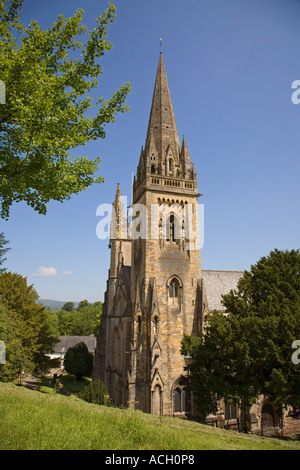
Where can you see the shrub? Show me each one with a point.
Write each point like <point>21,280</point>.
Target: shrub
<point>95,392</point>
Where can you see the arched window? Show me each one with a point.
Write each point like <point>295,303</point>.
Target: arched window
<point>177,400</point>
<point>174,288</point>
<point>185,400</point>
<point>173,231</point>
<point>170,164</point>
<point>152,169</point>
<point>181,399</point>
<point>175,291</point>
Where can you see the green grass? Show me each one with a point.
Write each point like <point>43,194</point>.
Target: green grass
<point>67,384</point>
<point>31,420</point>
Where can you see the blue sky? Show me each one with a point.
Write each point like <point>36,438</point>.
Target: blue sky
<point>230,66</point>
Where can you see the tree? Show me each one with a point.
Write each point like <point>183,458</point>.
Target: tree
<point>83,304</point>
<point>49,76</point>
<point>78,361</point>
<point>16,357</point>
<point>3,251</point>
<point>25,331</point>
<point>68,306</point>
<point>81,322</point>
<point>248,352</point>
<point>87,319</point>
<point>95,392</point>
<point>66,322</point>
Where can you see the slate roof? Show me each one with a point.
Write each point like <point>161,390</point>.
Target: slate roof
<point>217,283</point>
<point>67,342</point>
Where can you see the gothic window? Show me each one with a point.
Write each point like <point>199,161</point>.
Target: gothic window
<point>177,400</point>
<point>230,410</point>
<point>173,231</point>
<point>173,288</point>
<point>170,165</point>
<point>152,168</point>
<point>184,400</point>
<point>181,399</point>
<point>175,291</point>
<point>172,228</point>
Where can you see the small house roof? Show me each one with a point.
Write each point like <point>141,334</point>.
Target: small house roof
<point>66,342</point>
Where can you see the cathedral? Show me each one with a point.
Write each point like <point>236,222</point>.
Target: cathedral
<point>156,290</point>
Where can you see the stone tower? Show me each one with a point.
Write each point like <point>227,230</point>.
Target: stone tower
<point>155,298</point>
<point>166,267</point>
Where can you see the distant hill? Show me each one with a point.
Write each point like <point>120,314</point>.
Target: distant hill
<point>54,304</point>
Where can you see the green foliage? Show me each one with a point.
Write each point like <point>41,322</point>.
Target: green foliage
<point>81,322</point>
<point>83,304</point>
<point>248,352</point>
<point>23,328</point>
<point>95,392</point>
<point>3,251</point>
<point>49,75</point>
<point>78,361</point>
<point>68,306</point>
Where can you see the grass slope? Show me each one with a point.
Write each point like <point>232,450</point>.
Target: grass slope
<point>32,420</point>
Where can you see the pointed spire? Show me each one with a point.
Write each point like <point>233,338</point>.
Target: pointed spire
<point>118,193</point>
<point>162,128</point>
<point>118,223</point>
<point>185,159</point>
<point>184,150</point>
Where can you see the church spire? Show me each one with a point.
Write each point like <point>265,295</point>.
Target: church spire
<point>162,128</point>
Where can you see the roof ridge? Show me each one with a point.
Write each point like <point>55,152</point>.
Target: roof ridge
<point>223,270</point>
